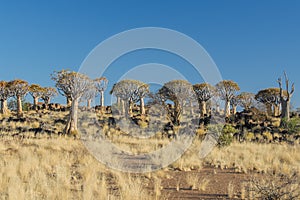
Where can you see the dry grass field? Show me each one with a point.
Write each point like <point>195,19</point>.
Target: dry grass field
<point>52,166</point>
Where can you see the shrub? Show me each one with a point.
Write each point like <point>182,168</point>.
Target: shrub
<point>224,133</point>
<point>292,126</point>
<point>249,136</point>
<point>275,187</point>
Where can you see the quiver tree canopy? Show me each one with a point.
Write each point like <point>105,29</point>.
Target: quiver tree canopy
<point>100,86</point>
<point>48,93</point>
<point>204,92</point>
<point>19,89</point>
<point>227,90</point>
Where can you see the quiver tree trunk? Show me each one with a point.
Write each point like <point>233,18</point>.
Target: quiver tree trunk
<point>285,99</point>
<point>177,114</point>
<point>19,105</point>
<point>130,105</point>
<point>35,103</point>
<point>47,101</point>
<point>123,107</point>
<point>203,110</point>
<point>285,112</point>
<point>234,109</point>
<point>227,108</point>
<point>118,101</point>
<point>142,106</point>
<point>191,108</point>
<point>102,98</point>
<point>4,108</point>
<point>276,110</point>
<point>127,108</point>
<point>71,127</point>
<point>269,109</point>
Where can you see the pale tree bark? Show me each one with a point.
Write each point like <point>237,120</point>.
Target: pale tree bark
<point>203,109</point>
<point>276,110</point>
<point>4,107</point>
<point>118,101</point>
<point>234,109</point>
<point>285,101</point>
<point>19,105</point>
<point>130,105</point>
<point>123,107</point>
<point>71,127</point>
<point>191,108</point>
<point>142,106</point>
<point>227,108</point>
<point>102,98</point>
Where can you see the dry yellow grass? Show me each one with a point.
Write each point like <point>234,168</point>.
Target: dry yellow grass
<point>274,158</point>
<point>58,167</point>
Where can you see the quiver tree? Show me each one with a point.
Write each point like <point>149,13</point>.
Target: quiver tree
<point>36,91</point>
<point>142,92</point>
<point>177,91</point>
<point>75,85</point>
<point>246,100</point>
<point>4,95</point>
<point>19,89</point>
<point>204,93</point>
<point>285,97</point>
<point>61,82</point>
<point>270,97</point>
<point>89,95</point>
<point>101,85</point>
<point>117,94</point>
<point>129,92</point>
<point>227,90</point>
<point>233,104</point>
<point>47,94</point>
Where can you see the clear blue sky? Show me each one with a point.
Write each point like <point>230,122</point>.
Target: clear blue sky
<point>252,42</point>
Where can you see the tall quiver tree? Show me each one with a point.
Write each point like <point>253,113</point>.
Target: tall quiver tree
<point>142,92</point>
<point>128,92</point>
<point>75,85</point>
<point>204,93</point>
<point>227,90</point>
<point>246,100</point>
<point>120,103</point>
<point>36,91</point>
<point>233,105</point>
<point>61,83</point>
<point>101,85</point>
<point>47,94</point>
<point>285,99</point>
<point>4,95</point>
<point>90,94</point>
<point>19,89</point>
<point>270,97</point>
<point>176,91</point>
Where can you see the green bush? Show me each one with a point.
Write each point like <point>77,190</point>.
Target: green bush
<point>292,126</point>
<point>224,133</point>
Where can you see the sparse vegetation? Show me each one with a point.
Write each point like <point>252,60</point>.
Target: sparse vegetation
<point>39,159</point>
